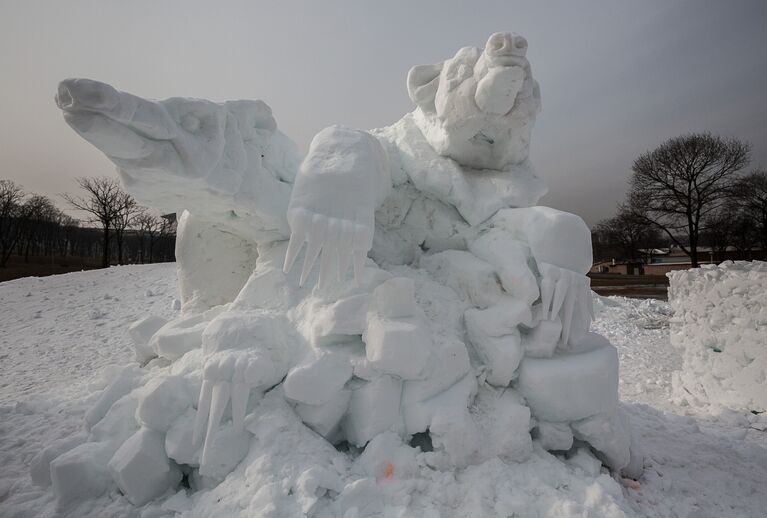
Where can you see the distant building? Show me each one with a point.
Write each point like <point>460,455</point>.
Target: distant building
<point>660,261</point>
<point>619,267</point>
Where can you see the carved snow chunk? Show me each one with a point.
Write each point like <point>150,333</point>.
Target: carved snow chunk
<point>510,257</point>
<point>395,298</point>
<point>503,421</point>
<point>325,418</point>
<point>40,468</point>
<point>119,422</point>
<point>472,278</point>
<point>178,337</point>
<point>448,365</point>
<point>501,355</point>
<point>161,401</point>
<point>542,340</point>
<point>340,320</point>
<point>554,436</point>
<point>454,432</point>
<point>363,369</point>
<point>401,346</point>
<point>81,473</point>
<point>319,380</point>
<point>374,408</point>
<point>179,443</point>
<point>502,318</point>
<point>122,381</point>
<point>141,468</point>
<point>569,387</point>
<point>609,434</point>
<point>419,413</point>
<point>554,237</point>
<point>141,333</point>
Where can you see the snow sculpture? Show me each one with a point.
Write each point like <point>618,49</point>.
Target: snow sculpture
<point>469,310</point>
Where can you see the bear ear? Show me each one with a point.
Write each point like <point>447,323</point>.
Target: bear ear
<point>422,83</point>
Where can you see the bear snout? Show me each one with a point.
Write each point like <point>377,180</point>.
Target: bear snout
<point>506,44</point>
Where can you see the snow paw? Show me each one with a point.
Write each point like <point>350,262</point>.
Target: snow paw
<point>562,293</point>
<point>230,376</point>
<point>339,240</point>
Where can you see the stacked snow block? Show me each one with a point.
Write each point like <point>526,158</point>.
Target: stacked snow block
<point>569,384</point>
<point>403,383</point>
<point>574,395</point>
<point>126,447</point>
<point>720,323</point>
<point>141,468</point>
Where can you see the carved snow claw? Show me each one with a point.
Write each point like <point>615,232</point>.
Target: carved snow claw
<point>339,240</point>
<point>561,291</point>
<point>227,376</point>
<point>340,183</point>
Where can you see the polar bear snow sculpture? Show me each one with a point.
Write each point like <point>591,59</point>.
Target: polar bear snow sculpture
<point>468,315</point>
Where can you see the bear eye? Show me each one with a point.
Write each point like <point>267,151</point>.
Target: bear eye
<point>497,43</point>
<point>520,43</point>
<point>190,123</point>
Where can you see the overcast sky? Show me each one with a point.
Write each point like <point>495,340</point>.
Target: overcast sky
<point>617,77</point>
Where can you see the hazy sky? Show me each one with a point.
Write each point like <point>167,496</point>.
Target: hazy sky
<point>617,77</point>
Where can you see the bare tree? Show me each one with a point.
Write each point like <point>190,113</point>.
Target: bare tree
<point>717,231</point>
<point>105,202</point>
<point>167,236</point>
<point>129,209</point>
<point>676,186</point>
<point>751,193</point>
<point>40,214</point>
<point>731,226</point>
<point>627,232</point>
<point>11,197</point>
<point>147,227</point>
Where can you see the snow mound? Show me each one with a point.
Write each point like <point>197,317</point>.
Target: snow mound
<point>720,323</point>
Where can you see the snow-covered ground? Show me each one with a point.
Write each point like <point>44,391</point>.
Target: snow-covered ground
<point>58,333</point>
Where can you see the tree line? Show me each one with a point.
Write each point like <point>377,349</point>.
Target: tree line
<point>116,230</point>
<point>691,191</point>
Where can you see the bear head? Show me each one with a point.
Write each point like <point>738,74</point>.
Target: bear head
<point>479,107</point>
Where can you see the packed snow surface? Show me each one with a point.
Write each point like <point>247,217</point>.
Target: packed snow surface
<point>720,324</point>
<point>698,463</point>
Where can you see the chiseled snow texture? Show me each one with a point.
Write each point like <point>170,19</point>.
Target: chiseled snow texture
<point>720,324</point>
<point>699,463</point>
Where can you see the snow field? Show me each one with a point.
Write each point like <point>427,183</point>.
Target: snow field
<point>700,464</point>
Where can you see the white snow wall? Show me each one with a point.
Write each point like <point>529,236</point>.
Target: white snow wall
<point>720,323</point>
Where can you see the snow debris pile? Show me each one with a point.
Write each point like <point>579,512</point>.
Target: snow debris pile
<point>462,340</point>
<point>720,323</point>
